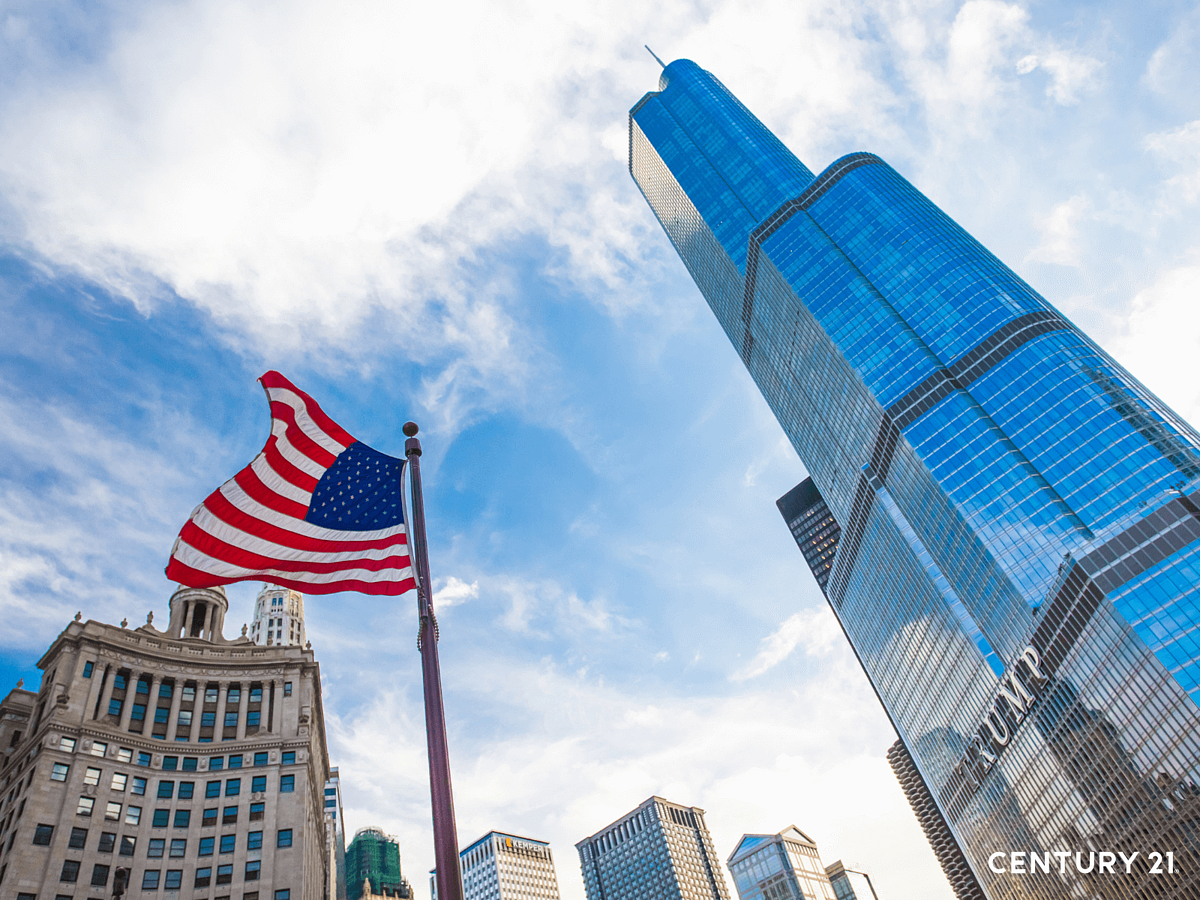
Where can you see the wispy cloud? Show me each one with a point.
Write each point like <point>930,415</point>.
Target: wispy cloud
<point>814,630</point>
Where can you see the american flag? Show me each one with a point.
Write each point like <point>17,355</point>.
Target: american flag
<point>316,511</point>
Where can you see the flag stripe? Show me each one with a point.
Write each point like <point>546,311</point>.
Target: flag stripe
<point>220,508</point>
<point>183,574</point>
<point>197,559</point>
<point>283,442</point>
<point>234,492</point>
<point>288,472</point>
<point>276,483</point>
<point>283,421</point>
<point>206,523</point>
<point>248,553</point>
<point>252,485</point>
<point>273,381</point>
<point>304,421</point>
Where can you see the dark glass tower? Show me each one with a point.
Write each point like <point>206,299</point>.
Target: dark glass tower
<point>1017,558</point>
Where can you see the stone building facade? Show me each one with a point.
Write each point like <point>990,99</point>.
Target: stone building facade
<point>196,762</point>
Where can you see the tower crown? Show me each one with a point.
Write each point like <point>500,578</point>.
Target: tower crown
<point>198,613</point>
<point>278,617</point>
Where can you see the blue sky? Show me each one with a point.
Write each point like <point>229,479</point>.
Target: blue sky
<point>425,213</point>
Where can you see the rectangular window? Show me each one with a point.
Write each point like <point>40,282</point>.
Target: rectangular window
<point>139,786</point>
<point>231,719</point>
<point>59,772</point>
<point>166,789</point>
<point>70,871</point>
<point>289,758</point>
<point>78,838</point>
<point>143,758</point>
<point>283,894</point>
<point>112,811</point>
<point>99,875</point>
<point>85,806</point>
<point>108,842</point>
<point>258,784</point>
<point>67,745</point>
<point>156,848</point>
<point>252,870</point>
<point>162,818</point>
<point>165,690</point>
<point>124,754</point>
<point>128,845</point>
<point>189,764</point>
<point>228,843</point>
<point>119,782</point>
<point>206,844</point>
<point>225,874</point>
<point>260,759</point>
<point>174,880</point>
<point>210,695</point>
<point>150,879</point>
<point>229,816</point>
<point>91,776</point>
<point>185,789</point>
<point>88,667</point>
<point>178,848</point>
<point>216,764</point>
<point>287,689</point>
<point>330,792</point>
<point>235,762</point>
<point>254,840</point>
<point>210,817</point>
<point>285,838</point>
<point>142,686</point>
<point>42,835</point>
<point>99,748</point>
<point>253,718</point>
<point>114,707</point>
<point>189,693</point>
<point>212,789</point>
<point>204,877</point>
<point>287,784</point>
<point>233,787</point>
<point>118,682</point>
<point>162,716</point>
<point>256,694</point>
<point>208,719</point>
<point>253,895</point>
<point>183,818</point>
<point>256,812</point>
<point>133,815</point>
<point>170,763</point>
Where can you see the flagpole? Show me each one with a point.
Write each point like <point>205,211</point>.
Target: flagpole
<point>445,832</point>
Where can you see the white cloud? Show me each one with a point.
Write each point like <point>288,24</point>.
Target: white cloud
<point>1060,234</point>
<point>815,630</point>
<point>453,592</point>
<point>1179,148</point>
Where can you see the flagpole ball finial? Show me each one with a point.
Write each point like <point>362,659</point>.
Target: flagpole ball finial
<point>410,429</point>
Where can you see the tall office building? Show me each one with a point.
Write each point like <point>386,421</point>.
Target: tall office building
<point>1018,519</point>
<point>502,866</point>
<point>278,617</point>
<point>373,867</point>
<point>849,884</point>
<point>783,866</point>
<point>194,761</point>
<point>658,851</point>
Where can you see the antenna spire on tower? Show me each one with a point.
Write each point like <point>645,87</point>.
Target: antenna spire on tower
<point>655,55</point>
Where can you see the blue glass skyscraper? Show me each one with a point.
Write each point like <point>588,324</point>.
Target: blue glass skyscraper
<point>1016,557</point>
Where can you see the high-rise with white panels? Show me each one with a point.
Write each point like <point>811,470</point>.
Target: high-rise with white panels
<point>278,617</point>
<point>502,866</point>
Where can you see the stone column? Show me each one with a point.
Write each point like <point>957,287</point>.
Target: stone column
<point>94,688</point>
<point>130,696</point>
<point>222,695</point>
<point>242,706</point>
<point>206,632</point>
<point>176,700</point>
<point>197,711</point>
<point>187,620</point>
<point>275,708</point>
<point>109,678</point>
